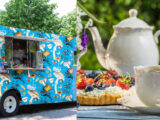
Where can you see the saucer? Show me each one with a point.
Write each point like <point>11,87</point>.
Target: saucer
<point>148,110</point>
<point>134,103</point>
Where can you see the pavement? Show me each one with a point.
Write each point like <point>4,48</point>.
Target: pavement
<point>64,111</point>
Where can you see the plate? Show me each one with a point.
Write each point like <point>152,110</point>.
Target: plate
<point>134,103</point>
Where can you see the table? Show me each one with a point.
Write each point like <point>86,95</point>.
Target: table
<point>117,112</point>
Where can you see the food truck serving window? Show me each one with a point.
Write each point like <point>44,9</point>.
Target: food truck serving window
<point>21,53</point>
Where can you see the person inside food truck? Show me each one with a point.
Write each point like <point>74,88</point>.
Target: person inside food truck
<point>18,53</point>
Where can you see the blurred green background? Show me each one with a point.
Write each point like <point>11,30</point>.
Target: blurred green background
<point>112,12</point>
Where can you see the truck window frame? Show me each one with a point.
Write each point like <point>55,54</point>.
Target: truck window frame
<point>28,40</point>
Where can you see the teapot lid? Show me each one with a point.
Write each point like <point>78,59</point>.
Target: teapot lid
<point>133,22</point>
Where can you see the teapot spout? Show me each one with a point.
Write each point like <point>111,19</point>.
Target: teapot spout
<point>99,48</point>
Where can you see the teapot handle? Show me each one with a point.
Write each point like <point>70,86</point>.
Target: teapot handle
<point>156,35</point>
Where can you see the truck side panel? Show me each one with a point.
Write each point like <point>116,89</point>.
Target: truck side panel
<point>56,83</point>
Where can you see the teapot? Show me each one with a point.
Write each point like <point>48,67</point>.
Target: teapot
<point>132,44</point>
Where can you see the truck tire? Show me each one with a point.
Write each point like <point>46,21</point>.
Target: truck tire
<point>9,104</point>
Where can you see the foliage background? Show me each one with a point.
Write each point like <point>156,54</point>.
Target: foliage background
<point>112,12</point>
<point>38,15</point>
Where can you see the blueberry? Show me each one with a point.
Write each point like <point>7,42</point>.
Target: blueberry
<point>112,84</point>
<point>132,80</point>
<point>130,85</point>
<point>101,88</point>
<point>105,85</point>
<point>93,77</point>
<point>93,72</point>
<point>115,77</point>
<point>96,74</point>
<point>95,85</point>
<point>89,88</point>
<point>87,75</point>
<point>90,76</point>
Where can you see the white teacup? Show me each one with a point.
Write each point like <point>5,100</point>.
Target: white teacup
<point>147,83</point>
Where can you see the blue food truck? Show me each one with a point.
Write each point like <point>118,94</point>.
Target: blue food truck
<point>35,68</point>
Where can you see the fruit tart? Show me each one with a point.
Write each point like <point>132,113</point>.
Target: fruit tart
<point>103,88</point>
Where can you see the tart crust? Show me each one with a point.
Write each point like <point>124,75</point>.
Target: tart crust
<point>104,99</point>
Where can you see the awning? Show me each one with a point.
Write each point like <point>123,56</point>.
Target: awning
<point>25,38</point>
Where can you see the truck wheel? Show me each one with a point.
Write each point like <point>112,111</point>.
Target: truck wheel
<point>9,105</point>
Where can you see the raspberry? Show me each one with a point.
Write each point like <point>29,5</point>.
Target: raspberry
<point>119,83</point>
<point>112,72</point>
<point>126,86</point>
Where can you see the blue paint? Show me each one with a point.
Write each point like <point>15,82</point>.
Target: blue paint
<point>29,82</point>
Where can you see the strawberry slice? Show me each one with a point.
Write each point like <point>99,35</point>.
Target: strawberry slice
<point>119,83</point>
<point>105,82</point>
<point>111,80</point>
<point>89,80</point>
<point>99,81</point>
<point>82,84</point>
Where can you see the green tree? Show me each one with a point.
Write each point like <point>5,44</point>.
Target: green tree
<point>68,24</point>
<point>31,14</point>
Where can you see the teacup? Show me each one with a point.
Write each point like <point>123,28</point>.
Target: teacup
<point>147,84</point>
